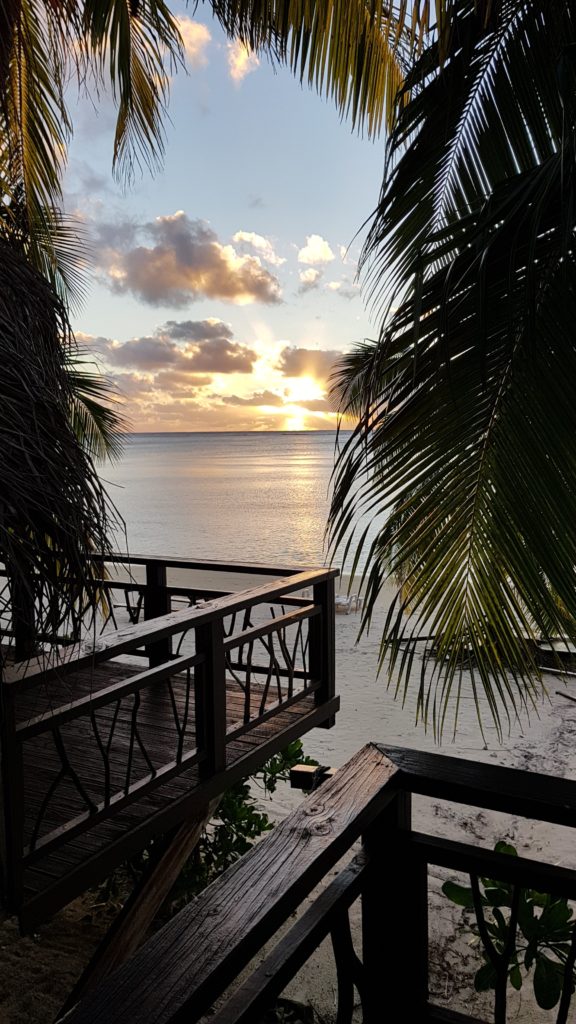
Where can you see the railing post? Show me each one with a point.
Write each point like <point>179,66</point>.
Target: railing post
<point>12,816</point>
<point>156,603</point>
<point>322,646</point>
<point>394,921</point>
<point>23,619</point>
<point>210,697</point>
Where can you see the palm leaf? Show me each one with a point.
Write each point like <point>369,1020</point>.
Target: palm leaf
<point>354,52</point>
<point>53,509</point>
<point>465,450</point>
<point>94,413</point>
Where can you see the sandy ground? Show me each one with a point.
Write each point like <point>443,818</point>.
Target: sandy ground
<point>37,973</point>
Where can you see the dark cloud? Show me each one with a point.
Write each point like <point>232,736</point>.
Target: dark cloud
<point>259,398</point>
<point>159,352</point>
<point>146,354</point>
<point>222,356</point>
<point>300,362</point>
<point>178,380</point>
<point>109,237</point>
<point>195,330</point>
<point>345,288</point>
<point>184,262</point>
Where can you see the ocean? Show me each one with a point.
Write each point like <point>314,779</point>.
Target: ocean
<point>261,497</point>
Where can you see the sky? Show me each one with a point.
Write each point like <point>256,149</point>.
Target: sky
<point>223,288</point>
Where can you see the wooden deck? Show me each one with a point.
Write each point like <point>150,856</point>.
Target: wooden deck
<point>103,749</point>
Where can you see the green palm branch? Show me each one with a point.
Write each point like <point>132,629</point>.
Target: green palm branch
<point>54,511</point>
<point>464,456</point>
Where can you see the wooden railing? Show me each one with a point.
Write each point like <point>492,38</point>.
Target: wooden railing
<point>270,643</point>
<point>133,588</point>
<point>197,958</point>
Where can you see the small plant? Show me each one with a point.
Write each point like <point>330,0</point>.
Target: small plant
<point>238,823</point>
<point>522,932</point>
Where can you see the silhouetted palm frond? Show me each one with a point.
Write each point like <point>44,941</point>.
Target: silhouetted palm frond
<point>465,449</point>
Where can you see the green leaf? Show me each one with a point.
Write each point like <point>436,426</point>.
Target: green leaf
<point>503,847</point>
<point>485,978</point>
<point>547,982</point>
<point>527,922</point>
<point>515,976</point>
<point>458,894</point>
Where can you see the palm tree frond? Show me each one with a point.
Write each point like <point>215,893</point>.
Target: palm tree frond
<point>354,52</point>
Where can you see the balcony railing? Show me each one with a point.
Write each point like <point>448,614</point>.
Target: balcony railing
<point>90,734</point>
<point>198,958</point>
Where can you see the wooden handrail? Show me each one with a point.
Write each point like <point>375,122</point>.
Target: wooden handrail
<point>178,973</point>
<point>524,794</point>
<point>127,638</point>
<point>190,963</point>
<point>243,568</point>
<point>52,719</point>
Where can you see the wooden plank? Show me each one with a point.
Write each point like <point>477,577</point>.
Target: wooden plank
<point>100,698</point>
<point>394,917</point>
<point>157,603</point>
<point>131,925</point>
<point>533,874</point>
<point>525,794</point>
<point>441,1015</point>
<point>322,655</point>
<point>210,698</point>
<point>177,974</point>
<point>272,626</point>
<point>251,1000</point>
<point>251,568</point>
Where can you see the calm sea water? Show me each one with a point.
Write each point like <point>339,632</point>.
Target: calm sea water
<point>259,497</point>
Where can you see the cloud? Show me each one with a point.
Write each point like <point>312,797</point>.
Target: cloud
<point>301,362</point>
<point>177,380</point>
<point>203,353</point>
<point>261,244</point>
<point>196,38</point>
<point>315,405</point>
<point>184,262</point>
<point>316,250</point>
<point>309,279</point>
<point>345,288</point>
<point>241,61</point>
<point>257,399</point>
<point>195,330</point>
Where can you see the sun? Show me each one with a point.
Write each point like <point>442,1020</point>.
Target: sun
<point>295,418</point>
<point>304,389</point>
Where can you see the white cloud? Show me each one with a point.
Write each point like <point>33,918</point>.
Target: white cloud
<point>261,244</point>
<point>309,279</point>
<point>241,61</point>
<point>345,288</point>
<point>185,262</point>
<point>196,38</point>
<point>316,250</point>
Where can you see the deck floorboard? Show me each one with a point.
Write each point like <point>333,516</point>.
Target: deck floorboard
<point>159,735</point>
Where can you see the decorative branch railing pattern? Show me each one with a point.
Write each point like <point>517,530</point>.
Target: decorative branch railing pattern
<point>189,965</point>
<point>269,646</point>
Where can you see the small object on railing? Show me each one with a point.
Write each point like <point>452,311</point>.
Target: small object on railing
<point>308,777</point>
